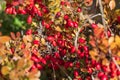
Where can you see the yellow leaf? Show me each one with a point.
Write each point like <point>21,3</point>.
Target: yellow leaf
<point>93,54</point>
<point>5,70</point>
<point>20,64</point>
<point>113,45</point>
<point>105,61</point>
<point>111,39</point>
<point>112,4</point>
<point>117,40</point>
<point>118,54</point>
<point>43,41</point>
<point>13,75</point>
<point>58,29</point>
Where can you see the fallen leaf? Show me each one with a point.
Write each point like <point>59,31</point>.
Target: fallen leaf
<point>112,4</point>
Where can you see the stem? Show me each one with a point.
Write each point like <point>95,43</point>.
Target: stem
<point>54,76</point>
<point>64,72</point>
<point>77,33</point>
<point>92,77</point>
<point>103,19</point>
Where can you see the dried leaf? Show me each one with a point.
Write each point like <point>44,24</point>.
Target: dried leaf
<point>111,39</point>
<point>43,41</point>
<point>13,35</point>
<point>13,75</point>
<point>112,4</point>
<point>5,70</point>
<point>88,2</point>
<point>93,54</point>
<point>20,64</point>
<point>58,29</point>
<point>18,34</point>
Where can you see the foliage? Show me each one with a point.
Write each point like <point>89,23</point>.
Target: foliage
<point>65,41</point>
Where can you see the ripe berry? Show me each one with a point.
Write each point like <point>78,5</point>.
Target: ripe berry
<point>66,17</point>
<point>108,33</point>
<point>34,58</point>
<point>94,25</point>
<point>36,42</point>
<point>58,14</point>
<point>29,19</point>
<point>76,73</point>
<point>100,74</point>
<point>79,10</point>
<point>75,24</point>
<point>118,19</point>
<point>29,32</point>
<point>70,23</point>
<point>40,67</point>
<point>104,77</point>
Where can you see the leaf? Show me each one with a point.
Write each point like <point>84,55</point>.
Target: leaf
<point>43,41</point>
<point>5,70</point>
<point>93,54</point>
<point>111,39</point>
<point>13,35</point>
<point>13,75</point>
<point>117,40</point>
<point>88,2</point>
<point>18,34</point>
<point>20,64</point>
<point>112,4</point>
<point>58,29</point>
<point>113,45</point>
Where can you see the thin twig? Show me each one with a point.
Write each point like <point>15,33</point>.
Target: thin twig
<point>92,77</point>
<point>79,29</point>
<point>64,72</point>
<point>103,19</point>
<point>54,75</point>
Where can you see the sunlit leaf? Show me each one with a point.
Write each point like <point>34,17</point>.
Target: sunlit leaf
<point>13,35</point>
<point>20,64</point>
<point>5,70</point>
<point>57,28</point>
<point>43,41</point>
<point>112,4</point>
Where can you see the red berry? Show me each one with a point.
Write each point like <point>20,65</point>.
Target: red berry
<point>58,14</point>
<point>94,25</point>
<point>66,17</point>
<point>70,23</point>
<point>75,24</point>
<point>72,49</point>
<point>81,40</point>
<point>76,73</point>
<point>29,19</point>
<point>104,77</point>
<point>100,74</point>
<point>79,10</point>
<point>50,38</point>
<point>35,59</point>
<point>108,33</point>
<point>40,67</point>
<point>36,42</point>
<point>29,32</point>
<point>98,67</point>
<point>118,19</point>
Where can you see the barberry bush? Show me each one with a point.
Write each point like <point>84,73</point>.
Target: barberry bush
<point>67,40</point>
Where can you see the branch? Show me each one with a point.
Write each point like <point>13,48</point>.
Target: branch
<point>92,77</point>
<point>64,72</point>
<point>103,19</point>
<point>79,29</point>
<point>54,76</point>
